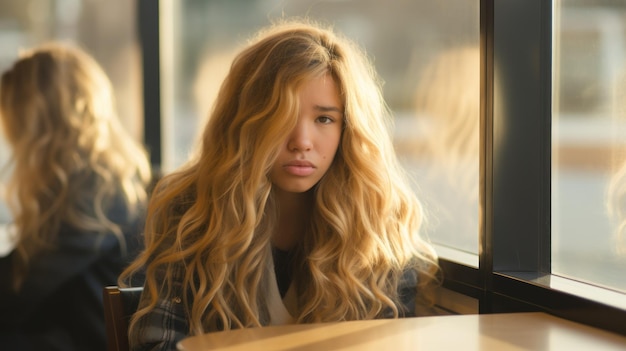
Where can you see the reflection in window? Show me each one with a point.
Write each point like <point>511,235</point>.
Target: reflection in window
<point>425,52</point>
<point>588,142</point>
<point>448,106</point>
<point>106,29</point>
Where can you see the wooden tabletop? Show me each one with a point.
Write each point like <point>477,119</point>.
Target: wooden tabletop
<point>510,331</point>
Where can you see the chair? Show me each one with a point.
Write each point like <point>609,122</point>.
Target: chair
<point>119,305</point>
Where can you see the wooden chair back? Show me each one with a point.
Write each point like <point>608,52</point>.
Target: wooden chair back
<point>119,306</point>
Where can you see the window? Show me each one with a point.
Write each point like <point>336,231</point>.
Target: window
<point>588,143</point>
<point>529,84</point>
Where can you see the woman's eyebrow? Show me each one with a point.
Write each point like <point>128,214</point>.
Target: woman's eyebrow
<point>328,109</point>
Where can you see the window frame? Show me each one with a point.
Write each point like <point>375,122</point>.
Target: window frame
<point>513,273</point>
<point>148,30</point>
<point>515,269</point>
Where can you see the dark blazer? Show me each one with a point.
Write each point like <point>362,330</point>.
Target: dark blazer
<point>60,304</point>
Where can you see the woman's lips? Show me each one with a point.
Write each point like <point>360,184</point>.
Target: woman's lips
<point>299,168</point>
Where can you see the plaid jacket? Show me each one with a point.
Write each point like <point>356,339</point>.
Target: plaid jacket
<point>167,324</point>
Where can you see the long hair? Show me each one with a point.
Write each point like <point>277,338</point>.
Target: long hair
<point>448,96</point>
<point>615,192</point>
<point>71,156</point>
<point>209,224</point>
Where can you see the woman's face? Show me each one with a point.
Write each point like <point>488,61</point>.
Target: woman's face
<point>310,148</point>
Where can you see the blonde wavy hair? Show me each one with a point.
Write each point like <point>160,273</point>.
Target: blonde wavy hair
<point>71,157</point>
<point>448,95</point>
<point>209,224</point>
<point>615,192</point>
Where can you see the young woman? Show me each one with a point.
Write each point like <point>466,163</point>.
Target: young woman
<point>77,194</point>
<point>294,210</point>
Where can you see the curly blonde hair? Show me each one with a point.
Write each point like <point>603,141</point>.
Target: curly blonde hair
<point>70,154</point>
<point>448,95</point>
<point>211,221</point>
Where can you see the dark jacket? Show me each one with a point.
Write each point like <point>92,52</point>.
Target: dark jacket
<point>59,306</point>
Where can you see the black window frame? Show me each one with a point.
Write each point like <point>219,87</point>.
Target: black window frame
<point>514,257</point>
<point>148,29</point>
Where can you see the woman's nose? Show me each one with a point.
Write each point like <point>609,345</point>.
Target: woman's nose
<point>300,138</point>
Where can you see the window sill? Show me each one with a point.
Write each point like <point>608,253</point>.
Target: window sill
<point>455,255</point>
<point>587,291</point>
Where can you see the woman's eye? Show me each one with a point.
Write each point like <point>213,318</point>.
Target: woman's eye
<point>325,119</point>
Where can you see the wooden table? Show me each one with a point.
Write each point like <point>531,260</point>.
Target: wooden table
<point>510,331</point>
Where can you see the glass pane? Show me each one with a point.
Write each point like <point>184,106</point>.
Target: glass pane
<point>589,140</point>
<point>106,29</point>
<point>426,52</point>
